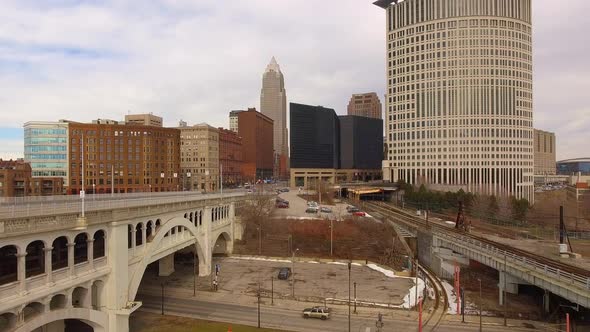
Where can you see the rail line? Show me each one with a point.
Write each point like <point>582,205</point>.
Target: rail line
<point>579,275</point>
<point>440,297</point>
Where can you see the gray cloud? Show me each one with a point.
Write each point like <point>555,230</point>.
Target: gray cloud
<point>196,60</point>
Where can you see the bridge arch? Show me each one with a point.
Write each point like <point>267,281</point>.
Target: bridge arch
<point>96,319</point>
<point>222,243</point>
<point>161,231</point>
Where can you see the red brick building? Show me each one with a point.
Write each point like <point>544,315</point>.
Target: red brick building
<point>230,156</point>
<point>16,181</point>
<point>129,158</point>
<point>256,130</point>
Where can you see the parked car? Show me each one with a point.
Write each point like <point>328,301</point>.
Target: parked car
<point>322,313</point>
<point>312,204</point>
<point>352,209</point>
<point>359,214</point>
<point>284,273</point>
<point>311,209</point>
<point>284,190</point>
<point>324,209</point>
<point>282,205</point>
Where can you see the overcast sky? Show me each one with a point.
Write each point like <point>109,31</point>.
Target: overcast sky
<point>198,59</point>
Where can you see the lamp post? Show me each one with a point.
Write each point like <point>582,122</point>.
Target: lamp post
<point>293,272</point>
<point>349,268</point>
<point>480,305</point>
<point>331,237</point>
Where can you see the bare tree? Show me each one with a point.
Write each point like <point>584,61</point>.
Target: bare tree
<point>256,214</point>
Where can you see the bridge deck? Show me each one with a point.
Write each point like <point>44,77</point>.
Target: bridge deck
<point>52,205</point>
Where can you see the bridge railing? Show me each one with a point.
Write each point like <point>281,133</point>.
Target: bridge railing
<point>75,205</point>
<point>531,264</point>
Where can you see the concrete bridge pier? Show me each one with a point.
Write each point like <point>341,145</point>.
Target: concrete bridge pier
<point>510,282</point>
<point>117,284</point>
<point>166,265</point>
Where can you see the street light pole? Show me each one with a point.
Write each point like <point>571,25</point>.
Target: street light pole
<point>480,305</point>
<point>349,267</point>
<point>195,274</point>
<point>355,297</point>
<point>504,294</point>
<point>258,305</point>
<point>162,298</point>
<point>331,237</point>
<point>293,272</point>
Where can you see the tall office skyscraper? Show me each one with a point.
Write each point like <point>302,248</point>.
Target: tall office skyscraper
<point>273,103</point>
<point>459,95</point>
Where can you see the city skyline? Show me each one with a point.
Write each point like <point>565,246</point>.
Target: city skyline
<point>43,60</point>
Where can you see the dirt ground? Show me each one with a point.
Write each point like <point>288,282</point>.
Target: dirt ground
<point>313,281</point>
<point>148,322</point>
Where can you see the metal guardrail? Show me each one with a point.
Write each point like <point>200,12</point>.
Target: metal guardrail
<point>531,264</point>
<point>49,207</point>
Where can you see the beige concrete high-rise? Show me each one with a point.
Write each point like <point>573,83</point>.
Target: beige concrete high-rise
<point>273,103</point>
<point>459,107</point>
<point>545,161</point>
<point>199,157</point>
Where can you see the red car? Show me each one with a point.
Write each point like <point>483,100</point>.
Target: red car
<point>282,205</point>
<point>359,214</point>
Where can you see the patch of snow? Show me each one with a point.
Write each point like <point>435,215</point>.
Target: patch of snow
<point>357,264</point>
<point>452,296</point>
<point>450,222</point>
<point>410,298</point>
<point>387,273</point>
<point>312,262</point>
<point>251,258</point>
<point>338,263</point>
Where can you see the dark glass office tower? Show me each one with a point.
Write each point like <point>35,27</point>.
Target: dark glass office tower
<point>314,137</point>
<point>361,142</point>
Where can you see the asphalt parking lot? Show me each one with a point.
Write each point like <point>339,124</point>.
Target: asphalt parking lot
<point>313,281</point>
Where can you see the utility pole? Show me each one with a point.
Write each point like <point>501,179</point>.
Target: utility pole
<point>355,297</point>
<point>480,305</point>
<point>162,299</point>
<point>272,291</point>
<point>112,179</point>
<point>258,305</point>
<point>83,191</point>
<point>349,268</point>
<point>293,272</point>
<point>504,294</point>
<point>331,237</point>
<point>195,274</point>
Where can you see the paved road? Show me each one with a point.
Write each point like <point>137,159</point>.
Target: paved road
<point>282,318</point>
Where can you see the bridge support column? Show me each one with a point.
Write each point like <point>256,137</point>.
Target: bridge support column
<point>118,321</point>
<point>546,306</point>
<point>21,273</point>
<point>90,255</point>
<point>48,263</point>
<point>71,259</point>
<point>166,265</point>
<point>511,285</point>
<point>116,286</point>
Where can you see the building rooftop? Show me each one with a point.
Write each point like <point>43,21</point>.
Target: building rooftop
<point>385,3</point>
<point>575,160</point>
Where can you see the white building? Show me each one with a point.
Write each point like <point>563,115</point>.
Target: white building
<point>459,95</point>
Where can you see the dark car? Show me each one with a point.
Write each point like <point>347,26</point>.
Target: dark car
<point>353,210</point>
<point>284,273</point>
<point>282,205</point>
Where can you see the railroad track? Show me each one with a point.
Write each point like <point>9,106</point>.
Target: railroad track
<point>441,300</point>
<point>414,222</point>
<point>441,304</point>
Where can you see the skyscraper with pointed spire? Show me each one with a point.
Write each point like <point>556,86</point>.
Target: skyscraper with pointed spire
<point>273,103</point>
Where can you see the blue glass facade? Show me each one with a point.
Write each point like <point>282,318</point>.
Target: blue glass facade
<point>46,148</point>
<point>573,166</point>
